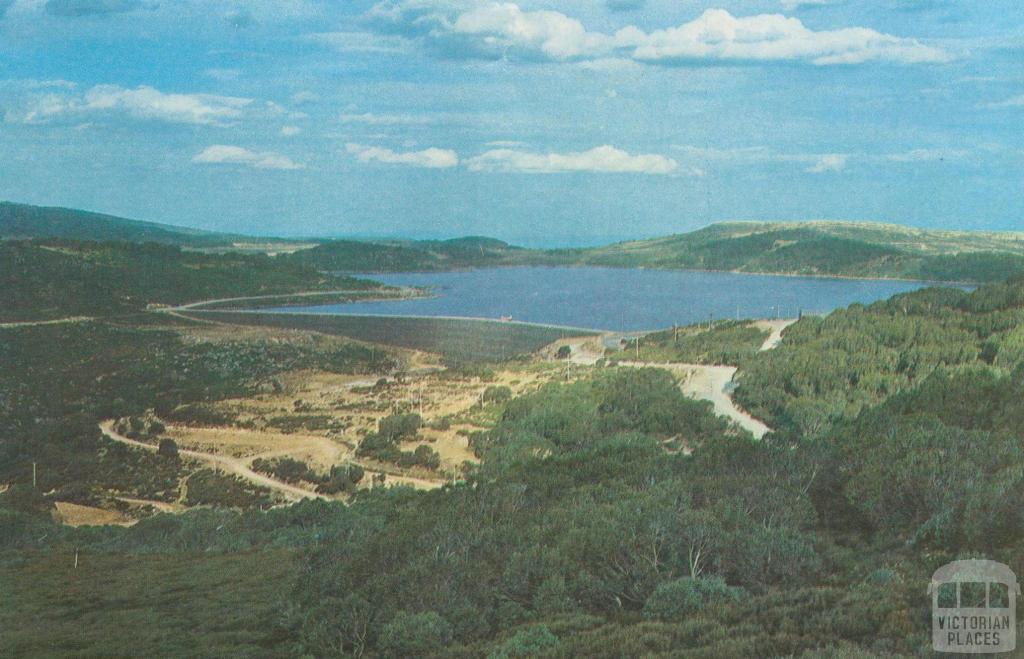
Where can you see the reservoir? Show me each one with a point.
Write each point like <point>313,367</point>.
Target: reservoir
<point>617,299</point>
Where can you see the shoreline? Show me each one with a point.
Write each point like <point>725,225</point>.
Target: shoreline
<point>950,282</point>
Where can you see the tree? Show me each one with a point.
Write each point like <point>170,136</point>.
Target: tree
<point>168,448</point>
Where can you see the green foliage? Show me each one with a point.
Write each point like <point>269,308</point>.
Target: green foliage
<point>496,394</point>
<point>726,342</point>
<point>675,600</point>
<point>398,427</point>
<point>353,256</point>
<point>167,448</point>
<point>534,641</point>
<point>26,499</point>
<point>52,279</point>
<point>207,487</point>
<point>414,635</point>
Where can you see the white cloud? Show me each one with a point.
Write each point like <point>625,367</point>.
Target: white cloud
<point>926,155</point>
<point>506,144</point>
<point>148,103</point>
<point>236,155</point>
<point>794,5</point>
<point>718,35</point>
<point>494,30</point>
<point>360,42</point>
<point>831,162</point>
<point>1014,102</point>
<point>603,159</point>
<point>432,158</point>
<point>383,119</point>
<point>222,74</point>
<point>299,98</point>
<point>290,131</point>
<point>141,102</point>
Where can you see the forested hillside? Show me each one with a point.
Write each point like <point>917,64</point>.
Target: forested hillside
<point>609,517</point>
<point>40,280</point>
<point>823,248</point>
<point>403,256</point>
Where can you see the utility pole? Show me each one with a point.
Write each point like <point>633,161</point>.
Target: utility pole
<point>638,347</point>
<point>33,474</point>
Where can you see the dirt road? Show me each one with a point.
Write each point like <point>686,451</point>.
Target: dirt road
<point>36,323</point>
<point>236,466</point>
<point>776,328</point>
<point>710,383</point>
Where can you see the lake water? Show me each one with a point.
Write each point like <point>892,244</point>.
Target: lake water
<point>617,299</point>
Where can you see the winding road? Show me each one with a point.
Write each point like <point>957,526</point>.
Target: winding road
<point>712,383</point>
<point>237,466</point>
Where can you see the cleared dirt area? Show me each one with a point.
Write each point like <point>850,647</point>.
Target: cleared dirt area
<point>776,327</point>
<point>74,514</point>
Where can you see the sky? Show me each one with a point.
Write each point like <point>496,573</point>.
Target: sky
<point>559,122</point>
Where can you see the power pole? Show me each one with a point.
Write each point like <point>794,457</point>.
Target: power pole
<point>638,347</point>
<point>33,474</point>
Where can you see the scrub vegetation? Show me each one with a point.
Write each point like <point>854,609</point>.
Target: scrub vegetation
<point>599,512</point>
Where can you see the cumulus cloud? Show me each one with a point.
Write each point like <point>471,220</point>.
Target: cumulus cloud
<point>494,30</point>
<point>602,159</point>
<point>223,154</point>
<point>141,102</point>
<point>79,8</point>
<point>831,162</point>
<point>149,103</point>
<point>290,131</point>
<point>432,158</point>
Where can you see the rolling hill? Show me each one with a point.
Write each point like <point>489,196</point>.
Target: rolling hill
<point>815,248</point>
<point>412,255</point>
<point>22,221</point>
<point>853,249</point>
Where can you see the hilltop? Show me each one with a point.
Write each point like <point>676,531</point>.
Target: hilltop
<point>410,255</point>
<point>814,248</point>
<point>854,249</point>
<point>22,221</point>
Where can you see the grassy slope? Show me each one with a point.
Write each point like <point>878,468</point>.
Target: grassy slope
<point>164,605</point>
<point>456,339</point>
<point>22,221</point>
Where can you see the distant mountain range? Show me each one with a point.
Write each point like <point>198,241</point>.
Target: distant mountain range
<point>819,248</point>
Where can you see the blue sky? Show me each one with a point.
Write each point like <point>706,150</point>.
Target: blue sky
<point>558,122</point>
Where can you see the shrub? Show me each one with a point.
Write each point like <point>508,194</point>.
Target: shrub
<point>497,394</point>
<point>414,635</point>
<point>529,642</point>
<point>674,600</point>
<point>168,448</point>
<point>398,426</point>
